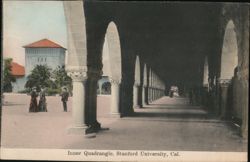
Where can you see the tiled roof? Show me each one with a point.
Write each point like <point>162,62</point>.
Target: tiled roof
<point>17,70</point>
<point>44,43</point>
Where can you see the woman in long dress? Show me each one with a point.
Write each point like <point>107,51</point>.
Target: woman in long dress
<point>33,101</point>
<point>42,102</point>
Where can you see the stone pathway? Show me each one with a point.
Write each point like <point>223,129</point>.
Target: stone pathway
<point>166,124</point>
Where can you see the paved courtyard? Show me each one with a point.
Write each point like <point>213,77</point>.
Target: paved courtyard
<point>166,124</point>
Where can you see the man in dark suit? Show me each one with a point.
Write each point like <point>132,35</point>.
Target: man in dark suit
<point>64,98</point>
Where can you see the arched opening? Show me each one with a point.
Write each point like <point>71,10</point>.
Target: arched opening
<point>229,56</point>
<point>136,83</point>
<point>111,60</point>
<point>106,88</point>
<point>229,65</point>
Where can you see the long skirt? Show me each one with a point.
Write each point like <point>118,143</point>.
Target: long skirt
<point>33,105</point>
<point>42,106</point>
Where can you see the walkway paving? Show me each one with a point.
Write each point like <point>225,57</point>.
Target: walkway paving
<point>166,124</point>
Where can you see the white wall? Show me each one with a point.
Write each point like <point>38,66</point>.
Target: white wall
<point>52,57</point>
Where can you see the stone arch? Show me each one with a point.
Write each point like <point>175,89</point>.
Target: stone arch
<point>240,17</point>
<point>136,82</point>
<point>112,63</point>
<point>229,67</point>
<point>229,55</point>
<point>106,69</point>
<point>112,41</point>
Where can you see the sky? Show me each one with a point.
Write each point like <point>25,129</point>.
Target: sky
<point>25,22</point>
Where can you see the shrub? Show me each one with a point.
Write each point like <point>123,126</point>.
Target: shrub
<point>24,91</point>
<point>52,92</point>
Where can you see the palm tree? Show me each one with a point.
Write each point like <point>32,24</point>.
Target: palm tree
<point>61,78</point>
<point>40,77</point>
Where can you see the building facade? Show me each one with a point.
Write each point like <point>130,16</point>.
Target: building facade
<point>42,52</point>
<point>18,71</point>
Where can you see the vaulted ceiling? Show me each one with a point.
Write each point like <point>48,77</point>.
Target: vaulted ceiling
<point>173,37</point>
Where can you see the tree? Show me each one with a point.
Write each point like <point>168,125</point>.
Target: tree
<point>60,77</point>
<point>8,77</point>
<point>40,76</point>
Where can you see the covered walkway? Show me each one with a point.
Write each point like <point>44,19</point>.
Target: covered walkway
<point>170,124</point>
<point>165,124</point>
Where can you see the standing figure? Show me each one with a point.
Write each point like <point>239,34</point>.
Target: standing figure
<point>171,92</point>
<point>33,101</point>
<point>64,99</point>
<point>42,102</point>
<point>191,96</point>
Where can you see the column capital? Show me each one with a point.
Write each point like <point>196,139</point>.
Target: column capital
<point>224,81</point>
<point>77,73</point>
<point>115,81</point>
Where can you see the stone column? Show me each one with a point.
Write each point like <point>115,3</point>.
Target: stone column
<point>146,95</point>
<point>152,94</point>
<point>115,96</point>
<point>100,87</point>
<point>135,95</point>
<point>149,95</point>
<point>205,95</point>
<point>79,77</point>
<point>150,87</point>
<point>245,109</point>
<point>155,94</point>
<point>224,84</point>
<point>143,96</point>
<point>91,102</point>
<point>153,86</point>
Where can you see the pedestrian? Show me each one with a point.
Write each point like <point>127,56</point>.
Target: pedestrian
<point>33,101</point>
<point>64,98</point>
<point>191,96</point>
<point>42,102</point>
<point>171,92</point>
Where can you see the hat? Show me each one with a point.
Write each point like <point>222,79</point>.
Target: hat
<point>64,88</point>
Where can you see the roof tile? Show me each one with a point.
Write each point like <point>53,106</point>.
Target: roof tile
<point>17,70</point>
<point>44,43</point>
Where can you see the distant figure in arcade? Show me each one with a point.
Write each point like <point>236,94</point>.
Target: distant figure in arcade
<point>171,93</point>
<point>176,91</point>
<point>33,101</point>
<point>42,102</point>
<point>191,96</point>
<point>64,98</point>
